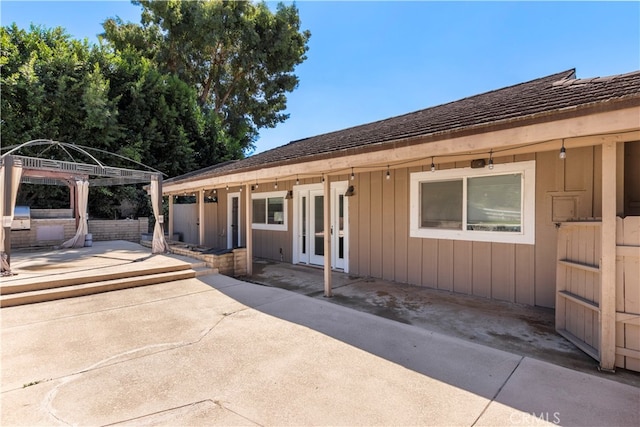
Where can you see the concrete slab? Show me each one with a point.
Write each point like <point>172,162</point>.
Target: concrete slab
<point>542,392</point>
<point>478,369</point>
<point>219,351</point>
<point>165,360</point>
<point>515,328</point>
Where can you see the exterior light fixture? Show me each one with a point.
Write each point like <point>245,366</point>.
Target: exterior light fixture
<point>297,180</point>
<point>352,175</point>
<point>388,174</point>
<point>433,166</point>
<point>276,184</point>
<point>350,191</point>
<point>563,151</point>
<point>491,159</point>
<point>289,195</point>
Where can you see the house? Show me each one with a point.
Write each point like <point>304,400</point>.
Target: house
<point>528,194</point>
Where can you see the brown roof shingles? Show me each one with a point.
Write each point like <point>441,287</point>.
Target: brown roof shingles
<point>561,91</point>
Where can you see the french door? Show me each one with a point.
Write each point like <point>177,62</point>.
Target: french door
<point>309,232</point>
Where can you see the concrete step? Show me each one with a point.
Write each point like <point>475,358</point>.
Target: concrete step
<point>85,277</point>
<point>70,291</point>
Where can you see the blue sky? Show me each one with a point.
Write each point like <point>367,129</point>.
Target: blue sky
<point>373,60</point>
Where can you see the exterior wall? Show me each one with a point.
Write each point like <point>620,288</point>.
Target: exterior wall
<point>53,231</point>
<point>44,232</point>
<point>380,245</point>
<point>121,229</point>
<point>275,245</point>
<point>185,222</point>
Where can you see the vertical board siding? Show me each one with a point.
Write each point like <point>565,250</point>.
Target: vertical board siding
<point>415,261</point>
<point>211,225</point>
<point>388,227</point>
<point>355,229</point>
<point>630,266</point>
<point>364,222</point>
<point>481,269</point>
<point>186,222</point>
<point>445,265</point>
<point>375,218</point>
<point>463,267</point>
<point>401,224</point>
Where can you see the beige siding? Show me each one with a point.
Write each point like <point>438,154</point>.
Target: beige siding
<point>381,246</point>
<point>628,294</point>
<point>269,244</point>
<point>185,222</point>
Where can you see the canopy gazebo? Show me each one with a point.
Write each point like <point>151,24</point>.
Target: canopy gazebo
<point>16,169</point>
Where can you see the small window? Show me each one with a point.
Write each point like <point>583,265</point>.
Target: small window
<point>269,211</point>
<point>487,205</point>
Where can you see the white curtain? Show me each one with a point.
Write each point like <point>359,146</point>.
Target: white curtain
<point>16,174</point>
<point>77,241</point>
<point>159,244</point>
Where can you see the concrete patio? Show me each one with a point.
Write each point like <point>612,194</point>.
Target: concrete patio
<point>215,350</point>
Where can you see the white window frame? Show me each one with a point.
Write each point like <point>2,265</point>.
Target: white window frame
<point>271,195</point>
<point>525,236</point>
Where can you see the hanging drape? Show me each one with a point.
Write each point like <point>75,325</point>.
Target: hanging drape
<point>77,241</point>
<point>16,174</point>
<point>159,244</point>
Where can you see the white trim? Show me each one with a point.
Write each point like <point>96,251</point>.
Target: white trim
<point>229,214</point>
<point>525,236</point>
<point>272,195</point>
<point>306,190</point>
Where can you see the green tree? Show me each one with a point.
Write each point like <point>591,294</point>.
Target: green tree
<point>238,55</point>
<point>53,87</point>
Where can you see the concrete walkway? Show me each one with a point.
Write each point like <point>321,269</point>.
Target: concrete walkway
<point>218,351</point>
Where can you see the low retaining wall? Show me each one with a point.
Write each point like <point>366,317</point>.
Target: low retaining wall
<point>120,229</point>
<point>47,232</point>
<point>232,263</point>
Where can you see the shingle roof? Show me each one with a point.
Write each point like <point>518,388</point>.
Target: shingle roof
<point>546,95</point>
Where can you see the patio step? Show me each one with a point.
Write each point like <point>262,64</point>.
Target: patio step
<point>95,287</point>
<point>85,277</point>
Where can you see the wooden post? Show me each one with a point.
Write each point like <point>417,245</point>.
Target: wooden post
<point>170,217</point>
<point>327,237</point>
<point>7,214</point>
<point>249,232</point>
<point>201,217</point>
<point>608,260</point>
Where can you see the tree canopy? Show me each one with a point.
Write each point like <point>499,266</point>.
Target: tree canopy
<point>188,87</point>
<point>239,57</point>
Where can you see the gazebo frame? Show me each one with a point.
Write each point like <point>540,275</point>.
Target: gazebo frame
<point>47,171</point>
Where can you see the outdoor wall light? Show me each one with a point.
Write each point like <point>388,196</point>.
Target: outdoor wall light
<point>563,151</point>
<point>351,191</point>
<point>289,195</point>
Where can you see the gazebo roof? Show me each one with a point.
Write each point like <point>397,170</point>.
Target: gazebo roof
<point>50,171</point>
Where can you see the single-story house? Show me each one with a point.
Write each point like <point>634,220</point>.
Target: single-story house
<point>528,193</point>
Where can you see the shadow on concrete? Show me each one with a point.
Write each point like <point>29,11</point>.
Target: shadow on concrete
<point>516,328</point>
